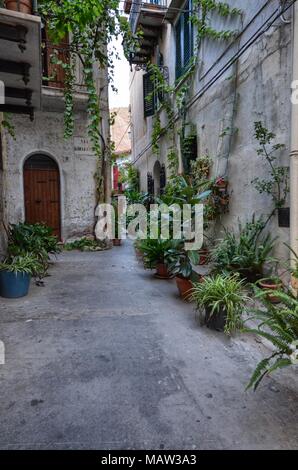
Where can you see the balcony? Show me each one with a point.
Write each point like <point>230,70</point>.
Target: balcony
<point>20,62</point>
<point>148,17</point>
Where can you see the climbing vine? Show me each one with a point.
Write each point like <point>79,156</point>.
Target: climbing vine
<point>91,25</point>
<point>177,94</point>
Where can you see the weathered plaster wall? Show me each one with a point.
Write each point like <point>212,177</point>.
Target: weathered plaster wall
<point>260,92</point>
<point>45,135</point>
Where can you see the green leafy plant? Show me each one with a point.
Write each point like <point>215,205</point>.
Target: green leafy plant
<point>279,325</point>
<point>277,183</point>
<point>180,261</point>
<point>27,263</point>
<point>37,239</point>
<point>84,244</point>
<point>222,294</point>
<point>200,169</point>
<point>156,251</point>
<point>245,252</point>
<point>92,26</point>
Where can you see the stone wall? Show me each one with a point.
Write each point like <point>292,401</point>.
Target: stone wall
<point>257,88</point>
<point>77,167</point>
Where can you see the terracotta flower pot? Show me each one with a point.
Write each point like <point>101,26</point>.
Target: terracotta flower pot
<point>184,286</point>
<point>294,282</point>
<point>117,242</point>
<point>270,284</point>
<point>162,271</point>
<point>23,6</point>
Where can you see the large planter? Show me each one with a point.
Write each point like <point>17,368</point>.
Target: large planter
<point>162,271</point>
<point>14,285</point>
<point>184,286</point>
<point>23,6</point>
<point>248,275</point>
<point>217,320</point>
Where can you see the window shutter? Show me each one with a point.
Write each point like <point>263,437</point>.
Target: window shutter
<point>149,98</point>
<point>188,32</point>
<point>179,65</point>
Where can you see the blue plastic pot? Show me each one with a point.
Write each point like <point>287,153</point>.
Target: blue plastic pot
<point>14,285</point>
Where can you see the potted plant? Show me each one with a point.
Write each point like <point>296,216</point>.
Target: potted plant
<point>23,6</point>
<point>279,326</point>
<point>155,253</point>
<point>221,183</point>
<point>269,285</point>
<point>180,264</point>
<point>245,252</point>
<point>223,299</point>
<point>15,275</point>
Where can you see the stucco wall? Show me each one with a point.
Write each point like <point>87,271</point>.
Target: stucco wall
<point>257,88</point>
<point>45,135</point>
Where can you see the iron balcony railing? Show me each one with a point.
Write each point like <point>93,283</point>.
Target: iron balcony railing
<point>136,8</point>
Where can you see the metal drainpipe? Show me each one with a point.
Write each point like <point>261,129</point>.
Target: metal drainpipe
<point>35,7</point>
<point>294,147</point>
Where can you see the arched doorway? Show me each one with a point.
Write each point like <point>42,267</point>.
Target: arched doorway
<point>42,192</point>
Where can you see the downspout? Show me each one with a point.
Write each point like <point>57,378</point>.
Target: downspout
<point>294,149</point>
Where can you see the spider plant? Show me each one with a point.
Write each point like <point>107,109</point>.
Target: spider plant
<point>27,263</point>
<point>222,295</point>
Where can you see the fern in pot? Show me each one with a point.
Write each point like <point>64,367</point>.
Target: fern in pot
<point>223,298</point>
<point>15,274</point>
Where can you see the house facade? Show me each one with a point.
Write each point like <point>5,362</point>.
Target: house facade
<point>45,177</point>
<point>226,82</point>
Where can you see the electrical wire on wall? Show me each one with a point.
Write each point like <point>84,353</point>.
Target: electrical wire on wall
<point>261,30</point>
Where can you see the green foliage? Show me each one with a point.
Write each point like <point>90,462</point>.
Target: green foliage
<point>92,26</point>
<point>245,252</point>
<point>157,131</point>
<point>222,293</point>
<point>180,261</point>
<point>180,191</point>
<point>173,162</point>
<point>27,263</point>
<point>277,184</point>
<point>84,244</point>
<point>279,325</point>
<point>129,175</point>
<point>200,169</point>
<point>36,239</point>
<point>156,251</point>
<point>7,124</point>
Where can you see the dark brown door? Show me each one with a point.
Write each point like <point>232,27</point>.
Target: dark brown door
<point>42,192</point>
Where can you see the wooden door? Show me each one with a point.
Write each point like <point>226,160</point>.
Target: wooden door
<point>42,192</point>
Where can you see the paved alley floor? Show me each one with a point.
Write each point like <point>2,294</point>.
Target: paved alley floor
<point>105,356</point>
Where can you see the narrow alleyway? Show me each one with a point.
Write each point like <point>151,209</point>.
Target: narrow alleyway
<point>107,357</point>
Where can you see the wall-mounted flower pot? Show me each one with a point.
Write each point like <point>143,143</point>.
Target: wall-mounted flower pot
<point>162,271</point>
<point>117,242</point>
<point>184,286</point>
<point>14,285</point>
<point>271,285</point>
<point>217,320</point>
<point>23,6</point>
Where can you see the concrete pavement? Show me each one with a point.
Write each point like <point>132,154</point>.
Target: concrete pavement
<point>105,356</point>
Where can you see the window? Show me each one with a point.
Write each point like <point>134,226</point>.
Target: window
<point>150,101</point>
<point>184,40</point>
